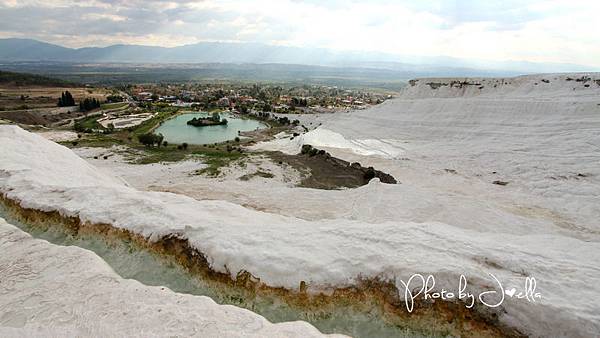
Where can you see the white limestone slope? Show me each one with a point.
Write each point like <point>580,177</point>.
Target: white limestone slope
<point>48,290</point>
<point>454,141</point>
<point>283,251</point>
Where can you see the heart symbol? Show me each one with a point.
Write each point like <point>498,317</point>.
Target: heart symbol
<point>511,292</point>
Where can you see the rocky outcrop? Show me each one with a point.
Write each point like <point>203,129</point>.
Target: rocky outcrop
<point>364,174</point>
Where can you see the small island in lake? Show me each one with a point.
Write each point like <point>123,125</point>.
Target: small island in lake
<point>214,120</point>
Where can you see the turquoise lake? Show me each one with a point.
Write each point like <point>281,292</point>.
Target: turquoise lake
<point>176,130</point>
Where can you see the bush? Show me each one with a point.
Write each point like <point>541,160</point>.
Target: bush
<point>369,174</point>
<point>150,139</point>
<point>306,148</point>
<point>184,145</point>
<point>78,126</point>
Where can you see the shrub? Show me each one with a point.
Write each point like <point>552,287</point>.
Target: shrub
<point>306,148</point>
<point>369,174</point>
<point>78,126</point>
<point>150,139</point>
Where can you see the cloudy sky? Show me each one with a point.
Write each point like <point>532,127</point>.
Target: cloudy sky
<point>532,30</point>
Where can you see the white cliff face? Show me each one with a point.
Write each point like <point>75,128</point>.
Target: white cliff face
<point>549,86</point>
<point>447,218</point>
<point>55,291</point>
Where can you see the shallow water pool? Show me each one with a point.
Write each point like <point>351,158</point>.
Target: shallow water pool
<point>176,130</point>
<point>129,261</point>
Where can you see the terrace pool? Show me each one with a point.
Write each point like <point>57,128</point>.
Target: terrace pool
<point>176,130</point>
<point>132,262</point>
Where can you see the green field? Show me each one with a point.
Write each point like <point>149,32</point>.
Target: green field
<point>113,105</point>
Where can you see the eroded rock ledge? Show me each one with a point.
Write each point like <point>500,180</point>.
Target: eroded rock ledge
<point>368,295</point>
<point>328,172</point>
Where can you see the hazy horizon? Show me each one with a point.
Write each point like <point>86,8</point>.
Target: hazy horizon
<point>556,31</point>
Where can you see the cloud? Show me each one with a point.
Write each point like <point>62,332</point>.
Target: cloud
<point>534,30</point>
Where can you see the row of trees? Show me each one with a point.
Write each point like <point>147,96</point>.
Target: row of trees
<point>66,100</point>
<point>114,98</point>
<point>89,104</point>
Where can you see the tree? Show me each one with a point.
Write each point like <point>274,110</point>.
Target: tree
<point>150,139</point>
<point>114,98</point>
<point>89,104</point>
<point>66,99</point>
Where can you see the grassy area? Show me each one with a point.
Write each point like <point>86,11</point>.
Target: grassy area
<point>162,154</point>
<point>149,125</point>
<point>215,160</point>
<point>90,122</point>
<point>113,105</point>
<point>94,140</point>
<point>214,156</point>
<point>258,173</point>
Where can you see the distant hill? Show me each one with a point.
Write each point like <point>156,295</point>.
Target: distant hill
<point>24,79</point>
<point>25,49</point>
<point>17,50</point>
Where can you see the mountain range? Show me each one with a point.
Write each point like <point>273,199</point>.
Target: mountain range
<point>21,50</point>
